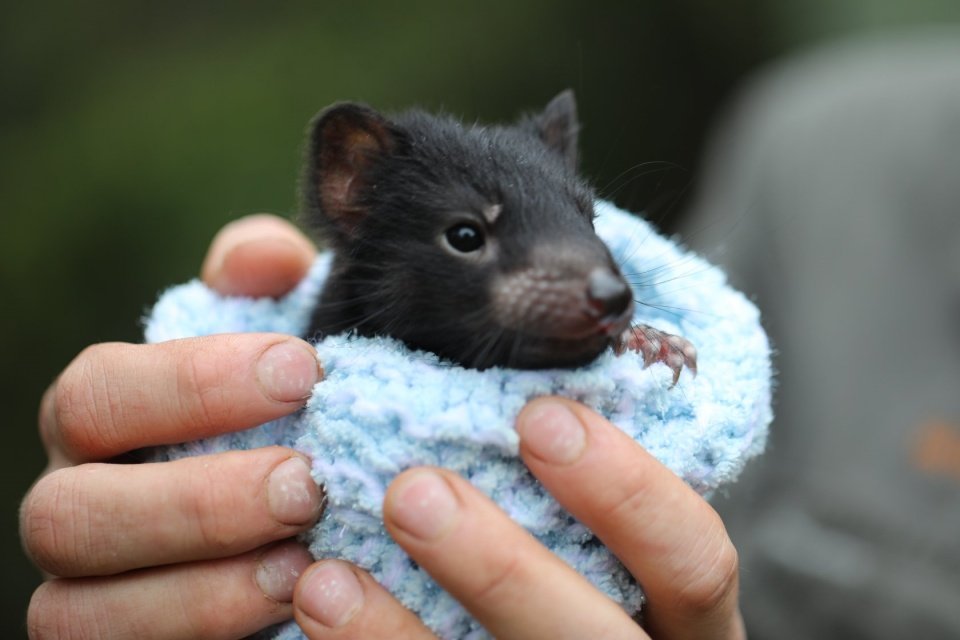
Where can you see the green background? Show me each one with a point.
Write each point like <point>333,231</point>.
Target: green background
<point>131,132</point>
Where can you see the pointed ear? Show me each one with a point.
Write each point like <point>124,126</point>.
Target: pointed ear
<point>558,127</point>
<point>346,139</point>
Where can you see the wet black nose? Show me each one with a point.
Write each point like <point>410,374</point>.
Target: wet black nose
<point>608,294</point>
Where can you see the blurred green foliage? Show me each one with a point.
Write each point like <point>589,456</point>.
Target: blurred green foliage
<point>130,132</point>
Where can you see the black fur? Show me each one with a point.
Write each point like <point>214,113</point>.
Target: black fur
<point>383,192</point>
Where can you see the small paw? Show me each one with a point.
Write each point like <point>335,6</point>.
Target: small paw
<point>657,346</point>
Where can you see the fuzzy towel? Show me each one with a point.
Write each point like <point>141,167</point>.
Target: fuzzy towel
<point>383,408</point>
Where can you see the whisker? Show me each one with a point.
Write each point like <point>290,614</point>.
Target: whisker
<point>642,169</point>
<point>489,344</point>
<point>675,310</point>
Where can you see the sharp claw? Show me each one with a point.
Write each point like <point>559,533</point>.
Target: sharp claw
<point>619,345</point>
<point>676,377</point>
<point>691,363</point>
<point>656,346</point>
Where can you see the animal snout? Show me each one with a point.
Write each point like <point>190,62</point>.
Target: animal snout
<point>607,293</point>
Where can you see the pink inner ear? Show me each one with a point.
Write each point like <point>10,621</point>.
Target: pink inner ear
<point>336,192</point>
<point>340,174</point>
<point>349,141</point>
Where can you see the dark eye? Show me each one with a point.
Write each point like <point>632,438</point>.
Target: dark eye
<point>465,237</point>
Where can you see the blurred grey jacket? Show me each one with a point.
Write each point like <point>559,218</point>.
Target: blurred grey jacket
<point>832,193</point>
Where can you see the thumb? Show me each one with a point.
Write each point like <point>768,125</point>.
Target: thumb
<point>258,255</point>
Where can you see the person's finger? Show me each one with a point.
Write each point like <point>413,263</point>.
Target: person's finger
<point>99,519</point>
<point>229,598</point>
<point>507,580</point>
<point>258,255</point>
<point>335,600</point>
<point>117,397</point>
<point>669,538</point>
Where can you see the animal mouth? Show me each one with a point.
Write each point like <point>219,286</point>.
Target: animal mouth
<point>615,324</point>
<point>531,352</point>
<point>576,346</point>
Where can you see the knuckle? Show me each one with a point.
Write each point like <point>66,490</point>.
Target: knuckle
<point>713,583</point>
<point>200,391</point>
<point>500,581</point>
<point>47,522</point>
<point>198,605</point>
<point>44,616</point>
<point>214,507</point>
<point>627,499</point>
<point>58,611</point>
<point>87,411</point>
<point>49,617</point>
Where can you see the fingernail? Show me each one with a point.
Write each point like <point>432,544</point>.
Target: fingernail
<point>424,506</point>
<point>331,594</point>
<point>287,371</point>
<point>279,569</point>
<point>292,495</point>
<point>229,271</point>
<point>551,432</point>
<point>235,234</point>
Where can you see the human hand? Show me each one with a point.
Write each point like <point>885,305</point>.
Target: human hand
<point>669,538</point>
<point>184,549</point>
<point>681,553</point>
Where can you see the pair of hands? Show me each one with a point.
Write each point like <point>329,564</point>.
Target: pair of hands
<point>202,548</point>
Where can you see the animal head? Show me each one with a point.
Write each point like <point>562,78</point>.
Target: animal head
<point>474,242</point>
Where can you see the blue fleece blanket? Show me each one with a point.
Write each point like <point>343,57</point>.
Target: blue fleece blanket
<point>383,408</point>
